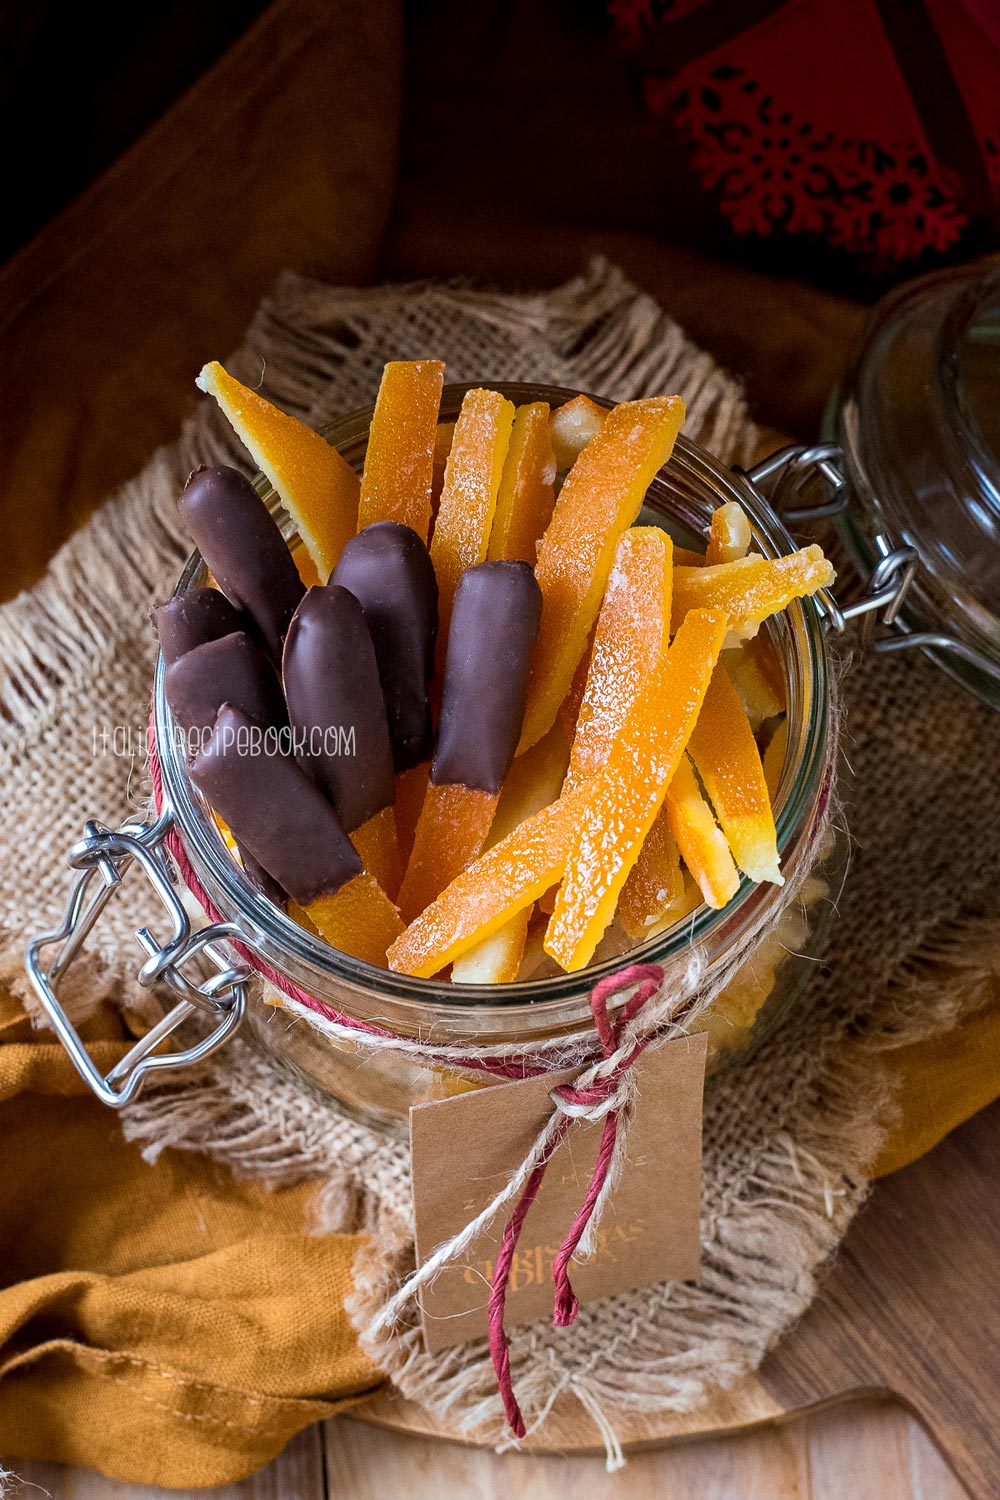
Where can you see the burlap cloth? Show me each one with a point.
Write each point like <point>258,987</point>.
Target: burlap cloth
<point>789,1136</point>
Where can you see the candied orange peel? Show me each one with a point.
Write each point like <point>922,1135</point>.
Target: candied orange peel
<point>729,536</point>
<point>316,485</point>
<point>751,589</point>
<point>359,919</point>
<point>527,487</point>
<point>756,675</point>
<point>502,882</point>
<point>377,845</point>
<point>655,884</point>
<point>699,838</point>
<point>622,801</point>
<point>728,762</point>
<point>572,426</point>
<point>497,959</point>
<point>599,500</point>
<point>469,495</point>
<point>399,465</point>
<point>632,626</point>
<point>451,830</point>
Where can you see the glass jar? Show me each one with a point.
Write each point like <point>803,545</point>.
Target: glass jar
<point>380,1088</point>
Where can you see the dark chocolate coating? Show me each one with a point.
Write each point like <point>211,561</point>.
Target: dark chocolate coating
<point>243,549</point>
<point>389,571</point>
<point>335,706</point>
<point>192,618</point>
<point>494,623</point>
<point>262,881</point>
<point>231,670</point>
<point>274,810</point>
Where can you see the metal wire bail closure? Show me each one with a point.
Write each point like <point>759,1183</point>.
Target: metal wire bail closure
<point>102,857</point>
<point>782,479</point>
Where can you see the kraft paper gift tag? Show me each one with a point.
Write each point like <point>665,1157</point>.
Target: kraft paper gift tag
<point>464,1149</point>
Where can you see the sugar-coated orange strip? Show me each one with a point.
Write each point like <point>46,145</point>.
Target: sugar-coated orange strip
<point>358,919</point>
<point>622,801</point>
<point>629,638</point>
<point>726,758</point>
<point>527,487</point>
<point>569,709</point>
<point>655,884</point>
<point>699,838</point>
<point>599,500</point>
<point>469,495</point>
<point>751,588</point>
<point>756,675</point>
<point>774,758</point>
<point>443,439</point>
<point>534,780</point>
<point>497,959</point>
<point>729,536</point>
<point>500,883</point>
<point>410,791</point>
<point>298,914</point>
<point>451,830</point>
<point>399,465</point>
<point>377,844</point>
<point>317,487</point>
<point>572,427</point>
<point>684,557</point>
<point>308,571</point>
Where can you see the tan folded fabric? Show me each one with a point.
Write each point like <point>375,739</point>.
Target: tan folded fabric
<point>167,1324</point>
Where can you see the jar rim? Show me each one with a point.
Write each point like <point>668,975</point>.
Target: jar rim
<point>804,654</point>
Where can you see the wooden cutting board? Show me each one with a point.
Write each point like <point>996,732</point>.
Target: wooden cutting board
<point>911,1307</point>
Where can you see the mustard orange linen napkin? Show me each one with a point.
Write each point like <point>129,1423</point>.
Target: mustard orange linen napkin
<point>164,1325</point>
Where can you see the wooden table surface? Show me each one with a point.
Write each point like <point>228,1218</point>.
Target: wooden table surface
<point>866,1450</point>
<point>856,1336</point>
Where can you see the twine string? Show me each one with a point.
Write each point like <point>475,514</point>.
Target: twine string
<point>607,1094</point>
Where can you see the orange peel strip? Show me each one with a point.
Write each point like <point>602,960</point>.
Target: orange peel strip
<point>317,487</point>
<point>620,804</point>
<point>501,882</point>
<point>569,708</point>
<point>534,780</point>
<point>752,588</point>
<point>377,844</point>
<point>410,791</point>
<point>730,535</point>
<point>728,762</point>
<point>655,884</point>
<point>527,487</point>
<point>632,627</point>
<point>358,919</point>
<point>600,498</point>
<point>451,830</point>
<point>399,465</point>
<point>756,675</point>
<point>572,426</point>
<point>684,557</point>
<point>443,439</point>
<point>699,838</point>
<point>469,495</point>
<point>773,759</point>
<point>497,959</point>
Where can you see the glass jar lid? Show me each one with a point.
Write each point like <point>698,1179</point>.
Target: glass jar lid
<point>918,421</point>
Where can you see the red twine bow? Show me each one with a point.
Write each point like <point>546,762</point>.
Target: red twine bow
<point>648,978</point>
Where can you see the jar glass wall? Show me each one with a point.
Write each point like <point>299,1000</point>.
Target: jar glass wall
<point>380,1089</point>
